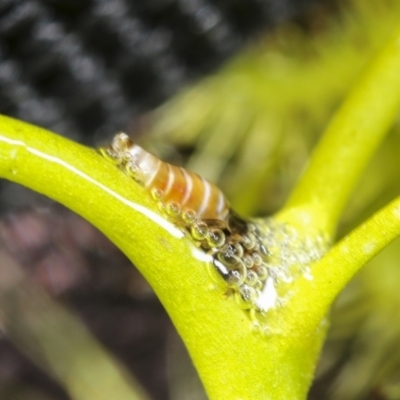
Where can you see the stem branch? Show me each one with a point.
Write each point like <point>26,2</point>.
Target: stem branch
<point>333,272</point>
<point>350,140</point>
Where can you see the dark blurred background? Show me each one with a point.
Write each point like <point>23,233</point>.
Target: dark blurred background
<point>86,69</point>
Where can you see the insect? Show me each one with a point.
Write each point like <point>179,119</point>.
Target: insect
<point>181,191</point>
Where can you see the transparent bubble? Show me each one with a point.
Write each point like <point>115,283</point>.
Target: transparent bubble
<point>262,272</point>
<point>236,278</point>
<point>251,227</point>
<point>173,209</point>
<point>246,296</point>
<point>237,249</point>
<point>252,278</point>
<point>126,157</point>
<point>227,259</point>
<point>258,284</point>
<point>109,155</point>
<point>157,194</point>
<point>134,171</point>
<point>215,276</point>
<point>248,261</point>
<point>189,216</point>
<point>199,230</point>
<point>230,253</point>
<point>215,237</point>
<point>234,273</point>
<point>260,321</point>
<point>257,259</point>
<point>249,241</point>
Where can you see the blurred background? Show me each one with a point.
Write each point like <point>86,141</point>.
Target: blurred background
<point>238,91</point>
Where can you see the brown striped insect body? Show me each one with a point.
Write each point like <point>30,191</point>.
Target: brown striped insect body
<point>181,191</point>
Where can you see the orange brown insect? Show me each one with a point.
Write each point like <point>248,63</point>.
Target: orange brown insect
<point>172,185</point>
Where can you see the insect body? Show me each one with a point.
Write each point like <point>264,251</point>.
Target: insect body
<point>177,188</point>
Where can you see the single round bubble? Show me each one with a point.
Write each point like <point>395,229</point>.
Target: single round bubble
<point>249,241</point>
<point>215,237</point>
<point>251,227</point>
<point>234,249</point>
<point>189,216</point>
<point>109,155</point>
<point>227,257</point>
<point>257,259</point>
<point>235,278</point>
<point>259,284</point>
<point>262,272</point>
<point>248,261</point>
<point>234,273</point>
<point>173,209</point>
<point>238,275</point>
<point>199,230</point>
<point>260,320</point>
<point>127,157</point>
<point>157,194</point>
<point>252,278</point>
<point>246,296</point>
<point>134,171</point>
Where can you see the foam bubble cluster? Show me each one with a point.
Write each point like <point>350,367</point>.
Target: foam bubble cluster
<point>257,259</point>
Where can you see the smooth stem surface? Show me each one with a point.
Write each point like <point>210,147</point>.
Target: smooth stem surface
<point>339,265</point>
<point>234,361</point>
<point>350,140</point>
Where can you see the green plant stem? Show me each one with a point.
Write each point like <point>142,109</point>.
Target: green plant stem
<point>332,273</point>
<point>233,360</point>
<point>350,140</point>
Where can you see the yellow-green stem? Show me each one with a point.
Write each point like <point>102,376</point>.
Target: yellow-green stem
<point>338,266</point>
<point>350,140</point>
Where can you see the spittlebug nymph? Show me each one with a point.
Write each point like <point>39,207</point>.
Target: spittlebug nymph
<point>181,191</point>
